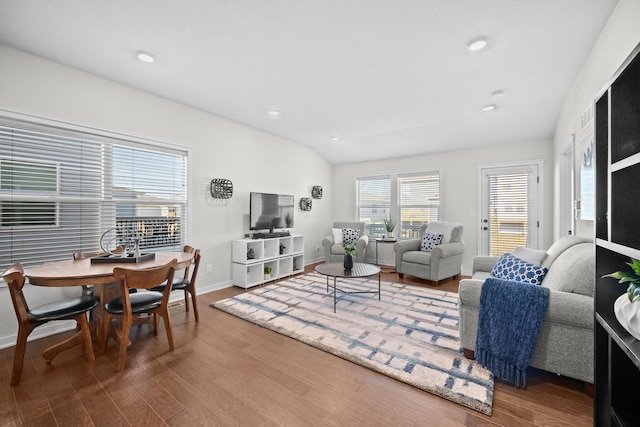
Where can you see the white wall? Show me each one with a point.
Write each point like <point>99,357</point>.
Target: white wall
<point>459,190</point>
<point>252,159</point>
<point>619,37</point>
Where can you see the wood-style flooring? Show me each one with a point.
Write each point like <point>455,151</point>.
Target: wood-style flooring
<point>228,372</point>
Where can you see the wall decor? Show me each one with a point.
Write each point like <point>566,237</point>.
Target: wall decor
<point>316,192</point>
<point>221,188</point>
<point>305,204</point>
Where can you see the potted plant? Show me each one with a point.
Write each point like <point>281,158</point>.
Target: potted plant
<point>267,272</point>
<point>626,307</point>
<point>282,248</point>
<point>389,225</point>
<point>350,250</point>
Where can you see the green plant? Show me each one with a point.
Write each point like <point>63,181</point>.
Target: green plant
<point>350,248</point>
<point>282,247</point>
<point>267,270</point>
<point>632,277</point>
<point>389,224</point>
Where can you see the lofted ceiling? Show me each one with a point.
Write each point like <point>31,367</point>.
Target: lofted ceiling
<point>386,78</point>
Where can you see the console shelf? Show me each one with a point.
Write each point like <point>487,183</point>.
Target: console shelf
<point>247,272</point>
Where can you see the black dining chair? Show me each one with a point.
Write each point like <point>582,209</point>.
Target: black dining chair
<point>29,319</point>
<point>187,283</point>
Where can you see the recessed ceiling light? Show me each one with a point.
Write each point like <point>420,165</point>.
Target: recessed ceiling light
<point>274,113</point>
<point>489,107</point>
<point>334,139</point>
<point>145,57</point>
<point>497,94</point>
<point>477,44</point>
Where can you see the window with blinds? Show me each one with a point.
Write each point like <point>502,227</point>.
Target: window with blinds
<point>409,199</point>
<point>373,203</point>
<point>508,212</point>
<point>418,202</point>
<point>61,190</point>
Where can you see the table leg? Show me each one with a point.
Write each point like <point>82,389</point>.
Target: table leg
<point>334,293</point>
<point>379,285</point>
<point>53,351</point>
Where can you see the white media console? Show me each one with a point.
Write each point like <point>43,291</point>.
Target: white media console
<point>247,272</point>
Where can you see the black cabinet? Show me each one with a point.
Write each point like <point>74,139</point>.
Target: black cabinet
<point>617,229</point>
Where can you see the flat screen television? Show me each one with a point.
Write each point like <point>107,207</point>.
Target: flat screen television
<point>270,211</point>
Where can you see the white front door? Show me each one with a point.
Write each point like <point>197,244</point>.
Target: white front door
<point>509,208</point>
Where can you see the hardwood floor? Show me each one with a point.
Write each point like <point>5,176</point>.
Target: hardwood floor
<point>228,372</point>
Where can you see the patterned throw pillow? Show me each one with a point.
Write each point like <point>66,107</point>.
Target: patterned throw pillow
<point>510,267</point>
<point>349,235</point>
<point>429,241</point>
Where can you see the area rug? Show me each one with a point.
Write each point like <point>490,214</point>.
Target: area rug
<point>410,334</point>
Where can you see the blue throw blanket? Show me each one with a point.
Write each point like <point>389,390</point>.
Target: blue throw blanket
<point>511,315</point>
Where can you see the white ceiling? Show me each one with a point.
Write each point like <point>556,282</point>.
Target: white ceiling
<point>389,78</point>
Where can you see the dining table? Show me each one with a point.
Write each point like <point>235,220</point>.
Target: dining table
<point>84,272</point>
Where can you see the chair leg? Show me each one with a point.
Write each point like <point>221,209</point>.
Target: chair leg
<point>167,327</point>
<point>186,300</point>
<point>105,332</point>
<point>124,341</point>
<point>18,355</point>
<point>86,335</point>
<point>194,302</point>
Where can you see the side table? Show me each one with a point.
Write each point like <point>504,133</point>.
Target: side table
<point>385,240</point>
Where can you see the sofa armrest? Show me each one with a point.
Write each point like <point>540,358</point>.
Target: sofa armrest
<point>361,244</point>
<point>401,247</point>
<point>447,250</point>
<point>327,241</point>
<point>406,245</point>
<point>484,263</point>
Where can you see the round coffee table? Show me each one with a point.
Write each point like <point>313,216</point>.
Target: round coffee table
<point>336,270</point>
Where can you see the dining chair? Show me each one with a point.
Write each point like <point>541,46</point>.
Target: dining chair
<point>29,319</point>
<point>187,283</point>
<point>129,306</point>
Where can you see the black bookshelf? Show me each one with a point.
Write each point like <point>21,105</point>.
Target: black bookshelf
<point>617,230</point>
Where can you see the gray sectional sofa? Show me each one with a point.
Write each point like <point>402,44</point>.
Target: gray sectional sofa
<point>565,343</point>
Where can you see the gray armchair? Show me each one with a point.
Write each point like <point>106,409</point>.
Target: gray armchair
<point>444,260</point>
<point>335,252</point>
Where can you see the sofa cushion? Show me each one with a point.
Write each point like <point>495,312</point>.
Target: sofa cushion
<point>534,256</point>
<point>429,241</point>
<point>510,267</point>
<point>337,236</point>
<point>573,271</point>
<point>349,235</point>
<point>417,257</point>
<point>561,245</point>
<point>444,228</point>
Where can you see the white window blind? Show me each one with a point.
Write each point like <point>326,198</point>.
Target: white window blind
<point>373,203</point>
<point>418,202</point>
<point>410,200</point>
<point>60,190</point>
<point>508,211</point>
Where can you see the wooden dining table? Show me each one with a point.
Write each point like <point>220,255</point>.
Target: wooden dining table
<point>83,272</point>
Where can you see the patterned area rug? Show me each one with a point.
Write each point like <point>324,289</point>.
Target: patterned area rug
<point>411,334</point>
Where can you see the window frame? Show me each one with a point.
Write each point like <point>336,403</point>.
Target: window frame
<point>394,196</point>
<point>103,200</point>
